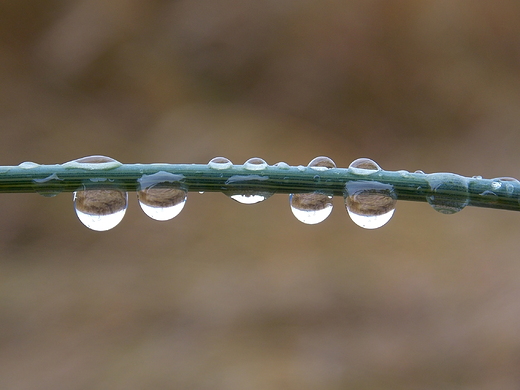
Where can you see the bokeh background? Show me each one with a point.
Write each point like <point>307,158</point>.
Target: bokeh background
<point>227,296</point>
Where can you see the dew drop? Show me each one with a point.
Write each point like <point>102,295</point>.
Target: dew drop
<point>370,204</point>
<point>251,198</point>
<point>419,172</point>
<point>315,207</point>
<point>28,165</point>
<point>238,189</point>
<point>282,165</point>
<point>160,195</point>
<point>100,209</point>
<point>220,163</point>
<point>93,162</point>
<point>449,192</point>
<point>322,163</point>
<point>255,164</point>
<point>311,208</point>
<point>364,166</point>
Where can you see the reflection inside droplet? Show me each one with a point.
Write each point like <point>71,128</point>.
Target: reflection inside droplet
<point>370,204</point>
<point>220,163</point>
<point>249,198</point>
<point>161,196</point>
<point>100,209</point>
<point>450,193</point>
<point>311,208</point>
<point>255,164</point>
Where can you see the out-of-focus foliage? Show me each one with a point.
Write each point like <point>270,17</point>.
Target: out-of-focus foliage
<point>227,296</point>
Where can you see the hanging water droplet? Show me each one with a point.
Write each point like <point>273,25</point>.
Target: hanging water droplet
<point>100,209</point>
<point>220,163</point>
<point>449,192</point>
<point>315,207</point>
<point>364,166</point>
<point>311,208</point>
<point>255,164</point>
<point>240,191</point>
<point>370,204</point>
<point>160,195</point>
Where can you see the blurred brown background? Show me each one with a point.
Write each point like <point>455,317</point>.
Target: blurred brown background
<point>227,296</point>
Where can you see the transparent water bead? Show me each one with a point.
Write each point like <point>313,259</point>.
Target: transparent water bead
<point>255,164</point>
<point>315,207</point>
<point>220,163</point>
<point>100,209</point>
<point>160,195</point>
<point>238,189</point>
<point>364,166</point>
<point>449,192</point>
<point>509,183</point>
<point>370,204</point>
<point>311,208</point>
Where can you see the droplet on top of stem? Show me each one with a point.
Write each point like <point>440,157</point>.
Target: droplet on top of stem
<point>315,207</point>
<point>220,163</point>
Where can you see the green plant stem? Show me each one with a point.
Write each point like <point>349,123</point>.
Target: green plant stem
<point>50,179</point>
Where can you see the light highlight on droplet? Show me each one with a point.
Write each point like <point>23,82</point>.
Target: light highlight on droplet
<point>161,196</point>
<point>220,163</point>
<point>255,164</point>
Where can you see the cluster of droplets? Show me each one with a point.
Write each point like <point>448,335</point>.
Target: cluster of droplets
<point>369,200</point>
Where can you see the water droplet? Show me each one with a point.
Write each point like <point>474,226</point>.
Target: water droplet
<point>477,177</point>
<point>364,166</point>
<point>239,189</point>
<point>161,196</point>
<point>370,204</point>
<point>220,163</point>
<point>315,207</point>
<point>321,163</point>
<point>450,192</point>
<point>255,164</point>
<point>100,209</point>
<point>509,183</point>
<point>496,185</point>
<point>93,162</point>
<point>282,165</point>
<point>301,168</point>
<point>311,208</point>
<point>48,183</point>
<point>28,165</point>
<point>420,172</point>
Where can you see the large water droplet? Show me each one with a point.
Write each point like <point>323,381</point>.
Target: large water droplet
<point>161,196</point>
<point>364,166</point>
<point>28,165</point>
<point>220,163</point>
<point>315,207</point>
<point>311,208</point>
<point>449,192</point>
<point>370,204</point>
<point>100,209</point>
<point>255,164</point>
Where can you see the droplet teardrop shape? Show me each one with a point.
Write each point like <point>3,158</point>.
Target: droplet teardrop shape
<point>315,207</point>
<point>370,204</point>
<point>161,196</point>
<point>99,209</point>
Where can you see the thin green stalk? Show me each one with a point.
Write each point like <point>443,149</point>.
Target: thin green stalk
<point>51,179</point>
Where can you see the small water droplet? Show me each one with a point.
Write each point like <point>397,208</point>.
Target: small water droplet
<point>282,165</point>
<point>93,162</point>
<point>220,163</point>
<point>496,185</point>
<point>301,168</point>
<point>315,207</point>
<point>420,172</point>
<point>100,209</point>
<point>364,166</point>
<point>161,196</point>
<point>450,192</point>
<point>370,204</point>
<point>201,192</point>
<point>255,164</point>
<point>28,165</point>
<point>477,177</point>
<point>249,198</point>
